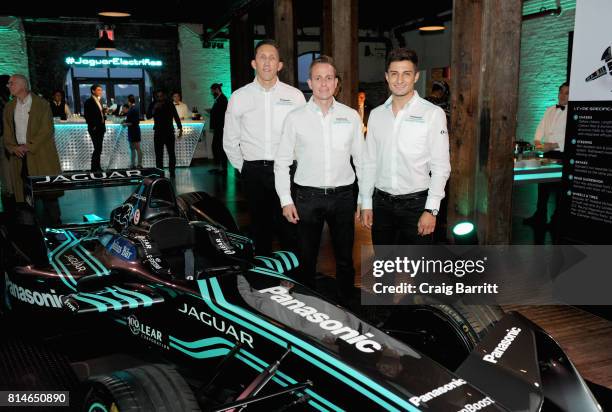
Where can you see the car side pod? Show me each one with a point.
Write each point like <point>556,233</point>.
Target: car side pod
<point>112,298</point>
<point>522,368</point>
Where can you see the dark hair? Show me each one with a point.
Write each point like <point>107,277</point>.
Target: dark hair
<point>565,84</point>
<point>94,87</point>
<point>162,91</point>
<point>402,54</point>
<point>323,59</point>
<point>179,93</point>
<point>269,42</point>
<point>216,86</point>
<point>131,99</point>
<point>440,85</point>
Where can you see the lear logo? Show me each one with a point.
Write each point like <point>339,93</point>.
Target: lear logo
<point>146,332</point>
<point>50,300</point>
<point>361,342</point>
<point>503,346</point>
<point>219,324</point>
<point>80,177</point>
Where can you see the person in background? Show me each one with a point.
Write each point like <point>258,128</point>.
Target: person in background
<point>253,126</point>
<point>94,115</point>
<point>164,112</point>
<point>6,186</point>
<point>181,108</point>
<point>28,137</point>
<point>406,162</point>
<point>440,94</point>
<point>550,138</point>
<point>217,123</point>
<point>59,108</point>
<point>363,108</point>
<point>132,121</point>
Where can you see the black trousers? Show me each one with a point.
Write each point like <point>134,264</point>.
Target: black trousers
<point>337,208</point>
<point>97,138</point>
<point>160,139</point>
<point>544,192</point>
<point>396,219</point>
<point>217,149</point>
<point>264,207</point>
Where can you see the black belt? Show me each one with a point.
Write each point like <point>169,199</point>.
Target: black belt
<point>260,162</point>
<point>409,196</point>
<point>325,190</point>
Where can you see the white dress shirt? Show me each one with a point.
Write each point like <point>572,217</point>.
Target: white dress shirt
<point>552,127</point>
<point>402,151</point>
<point>183,110</point>
<point>254,120</point>
<point>22,116</point>
<point>322,146</point>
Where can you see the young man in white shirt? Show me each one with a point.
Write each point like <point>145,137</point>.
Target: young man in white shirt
<point>322,136</point>
<point>252,130</point>
<point>550,138</point>
<point>181,107</point>
<point>406,162</point>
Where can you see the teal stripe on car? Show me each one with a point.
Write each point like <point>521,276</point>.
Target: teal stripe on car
<point>266,261</point>
<point>103,269</point>
<point>291,255</point>
<point>133,303</point>
<point>202,342</point>
<point>101,307</point>
<point>146,299</point>
<point>263,271</point>
<point>116,304</point>
<point>211,353</point>
<point>317,352</point>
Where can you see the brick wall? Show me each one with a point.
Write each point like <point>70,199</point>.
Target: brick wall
<point>201,67</point>
<point>50,43</point>
<point>543,66</point>
<point>13,55</point>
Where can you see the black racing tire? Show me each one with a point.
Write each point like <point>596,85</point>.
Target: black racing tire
<point>148,388</point>
<point>445,332</point>
<point>204,207</point>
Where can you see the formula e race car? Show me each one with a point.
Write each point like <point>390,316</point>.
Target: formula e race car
<point>232,329</point>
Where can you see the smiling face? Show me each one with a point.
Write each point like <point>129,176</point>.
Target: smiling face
<point>323,81</point>
<point>267,63</point>
<point>401,77</point>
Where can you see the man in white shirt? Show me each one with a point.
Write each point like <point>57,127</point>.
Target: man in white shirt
<point>550,138</point>
<point>322,136</point>
<point>181,107</point>
<point>252,130</point>
<point>406,163</point>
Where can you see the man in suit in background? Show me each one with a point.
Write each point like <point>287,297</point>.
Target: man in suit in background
<point>217,122</point>
<point>94,115</point>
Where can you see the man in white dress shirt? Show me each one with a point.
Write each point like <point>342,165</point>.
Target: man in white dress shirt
<point>181,107</point>
<point>322,136</point>
<point>252,130</point>
<point>550,138</point>
<point>406,162</point>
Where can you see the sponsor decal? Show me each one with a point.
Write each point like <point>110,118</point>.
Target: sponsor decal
<point>220,241</point>
<point>219,324</point>
<point>284,102</point>
<point>415,119</point>
<point>70,303</point>
<point>122,249</point>
<point>73,261</point>
<point>341,120</point>
<point>137,216</point>
<point>361,342</point>
<point>477,406</point>
<point>502,346</point>
<point>43,299</point>
<point>454,384</point>
<point>146,332</point>
<point>80,177</point>
<point>148,247</point>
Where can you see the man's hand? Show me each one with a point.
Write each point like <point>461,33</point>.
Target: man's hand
<point>290,213</point>
<point>180,133</point>
<point>427,224</point>
<point>358,213</point>
<point>21,151</point>
<point>367,218</point>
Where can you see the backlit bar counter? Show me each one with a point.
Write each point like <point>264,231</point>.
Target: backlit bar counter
<point>74,145</point>
<point>538,173</point>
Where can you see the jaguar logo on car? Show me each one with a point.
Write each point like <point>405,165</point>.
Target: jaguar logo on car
<point>79,177</point>
<point>146,332</point>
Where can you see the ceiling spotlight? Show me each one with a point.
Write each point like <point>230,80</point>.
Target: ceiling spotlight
<point>431,24</point>
<point>115,12</point>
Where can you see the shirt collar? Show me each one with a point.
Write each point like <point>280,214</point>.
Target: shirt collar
<point>413,99</point>
<point>26,101</point>
<point>315,108</point>
<point>263,89</point>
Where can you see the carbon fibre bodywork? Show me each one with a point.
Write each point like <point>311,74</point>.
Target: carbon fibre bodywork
<point>194,290</point>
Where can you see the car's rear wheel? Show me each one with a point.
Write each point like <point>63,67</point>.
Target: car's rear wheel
<point>155,387</point>
<point>445,333</point>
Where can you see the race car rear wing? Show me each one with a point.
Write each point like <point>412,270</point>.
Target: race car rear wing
<point>85,179</point>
